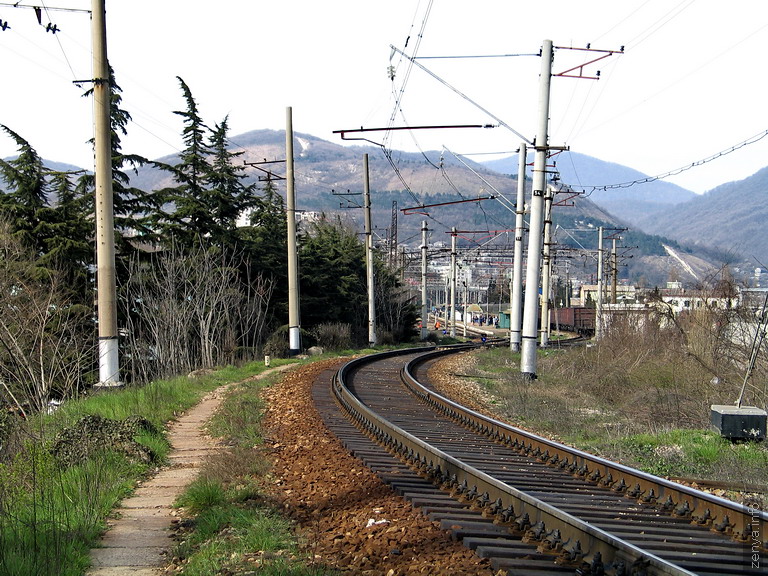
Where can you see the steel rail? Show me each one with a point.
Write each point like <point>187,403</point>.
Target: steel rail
<point>707,510</point>
<point>578,542</point>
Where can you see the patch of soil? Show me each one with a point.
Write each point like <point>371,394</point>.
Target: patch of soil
<point>348,519</point>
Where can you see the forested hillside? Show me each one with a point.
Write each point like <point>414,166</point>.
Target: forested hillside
<point>730,218</point>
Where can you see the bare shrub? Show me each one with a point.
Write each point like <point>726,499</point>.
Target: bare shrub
<point>333,336</point>
<point>658,369</point>
<point>191,310</point>
<point>46,340</point>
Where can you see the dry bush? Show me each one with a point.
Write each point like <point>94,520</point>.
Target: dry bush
<point>333,336</point>
<point>46,342</point>
<point>660,370</point>
<point>191,309</point>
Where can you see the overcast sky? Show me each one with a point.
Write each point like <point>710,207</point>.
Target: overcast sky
<point>690,84</point>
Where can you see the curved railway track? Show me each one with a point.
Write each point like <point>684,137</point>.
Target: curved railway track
<point>530,505</point>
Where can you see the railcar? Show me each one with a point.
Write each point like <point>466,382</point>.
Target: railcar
<point>576,319</point>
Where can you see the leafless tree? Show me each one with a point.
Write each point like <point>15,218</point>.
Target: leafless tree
<point>190,310</point>
<point>716,331</point>
<point>46,346</point>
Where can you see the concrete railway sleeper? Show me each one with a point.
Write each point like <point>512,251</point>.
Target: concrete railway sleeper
<point>516,497</point>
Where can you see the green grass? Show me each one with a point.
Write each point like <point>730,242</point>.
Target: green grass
<point>697,453</point>
<point>232,536</point>
<point>234,526</point>
<point>202,494</point>
<point>599,411</point>
<point>51,516</point>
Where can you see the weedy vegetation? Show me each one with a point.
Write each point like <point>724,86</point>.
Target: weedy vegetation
<point>641,395</point>
<point>52,511</point>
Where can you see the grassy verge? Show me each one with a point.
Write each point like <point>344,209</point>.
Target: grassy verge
<point>633,416</point>
<point>52,514</point>
<point>231,526</point>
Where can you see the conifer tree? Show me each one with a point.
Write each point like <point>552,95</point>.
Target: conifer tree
<point>333,276</point>
<point>132,206</point>
<point>226,195</point>
<point>65,233</point>
<point>185,216</point>
<point>265,246</point>
<point>209,193</point>
<point>27,190</point>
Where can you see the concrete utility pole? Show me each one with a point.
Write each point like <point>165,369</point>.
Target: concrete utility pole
<point>614,273</point>
<point>447,300</point>
<point>546,267</point>
<point>424,313</point>
<point>466,303</point>
<point>369,255</point>
<point>109,368</point>
<point>393,236</point>
<point>294,326</point>
<point>516,294</point>
<point>599,310</point>
<point>453,282</point>
<point>531,308</point>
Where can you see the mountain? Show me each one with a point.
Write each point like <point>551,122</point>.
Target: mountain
<point>322,168</point>
<point>446,191</point>
<point>730,218</point>
<point>584,172</point>
<point>478,199</point>
<point>726,223</point>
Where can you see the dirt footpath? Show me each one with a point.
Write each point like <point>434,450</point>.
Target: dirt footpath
<point>346,518</point>
<point>139,538</point>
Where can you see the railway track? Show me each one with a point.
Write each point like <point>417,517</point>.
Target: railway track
<point>530,505</point>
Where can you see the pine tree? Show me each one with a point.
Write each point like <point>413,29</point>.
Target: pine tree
<point>27,191</point>
<point>226,196</point>
<point>187,218</point>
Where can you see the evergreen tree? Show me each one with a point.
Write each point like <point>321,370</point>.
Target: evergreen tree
<point>48,217</point>
<point>27,191</point>
<point>333,277</point>
<point>226,196</point>
<point>210,193</point>
<point>265,246</point>
<point>65,233</point>
<point>187,217</point>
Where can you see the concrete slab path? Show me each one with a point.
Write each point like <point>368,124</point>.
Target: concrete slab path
<point>138,540</point>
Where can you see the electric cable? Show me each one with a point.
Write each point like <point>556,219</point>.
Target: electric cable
<point>588,189</point>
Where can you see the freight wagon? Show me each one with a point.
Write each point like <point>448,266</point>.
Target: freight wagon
<point>574,319</point>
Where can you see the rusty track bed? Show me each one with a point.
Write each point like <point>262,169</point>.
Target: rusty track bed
<point>530,504</point>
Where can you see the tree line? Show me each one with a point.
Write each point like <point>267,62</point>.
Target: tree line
<point>195,290</point>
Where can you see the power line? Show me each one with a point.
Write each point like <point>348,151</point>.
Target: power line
<point>588,189</point>
<point>49,27</point>
<point>464,96</point>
